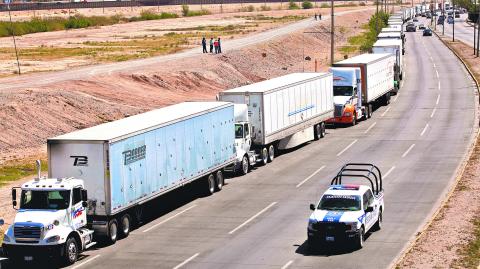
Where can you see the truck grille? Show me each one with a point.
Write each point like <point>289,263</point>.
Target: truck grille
<point>27,232</point>
<point>338,112</point>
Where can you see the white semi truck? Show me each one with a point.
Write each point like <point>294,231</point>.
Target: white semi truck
<point>121,165</point>
<point>283,112</point>
<point>394,47</point>
<point>359,83</point>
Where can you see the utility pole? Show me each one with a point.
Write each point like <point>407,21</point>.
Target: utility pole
<point>332,34</point>
<point>376,18</point>
<point>13,36</point>
<point>474,27</point>
<point>478,33</point>
<point>453,21</point>
<point>443,13</point>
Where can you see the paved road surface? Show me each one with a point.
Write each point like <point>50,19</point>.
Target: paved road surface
<point>259,220</point>
<point>42,79</point>
<point>463,30</point>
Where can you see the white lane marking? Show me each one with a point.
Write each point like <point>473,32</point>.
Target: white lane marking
<point>433,112</point>
<point>396,97</point>
<point>424,130</point>
<point>439,85</point>
<point>345,149</point>
<point>310,176</point>
<point>287,264</point>
<point>162,222</point>
<point>85,262</point>
<point>438,99</point>
<point>252,218</point>
<point>434,66</point>
<point>371,126</point>
<point>186,261</point>
<point>388,172</point>
<point>385,112</point>
<point>408,150</point>
<point>436,73</point>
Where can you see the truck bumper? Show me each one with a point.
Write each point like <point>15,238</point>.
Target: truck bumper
<point>340,120</point>
<point>322,238</point>
<point>27,253</point>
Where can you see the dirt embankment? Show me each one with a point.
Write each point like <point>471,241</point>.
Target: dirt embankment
<point>453,238</point>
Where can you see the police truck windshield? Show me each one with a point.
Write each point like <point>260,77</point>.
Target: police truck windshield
<point>340,202</point>
<point>342,91</point>
<point>45,199</point>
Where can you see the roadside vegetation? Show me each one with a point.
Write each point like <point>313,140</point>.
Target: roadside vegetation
<point>15,171</point>
<point>364,41</point>
<point>186,12</point>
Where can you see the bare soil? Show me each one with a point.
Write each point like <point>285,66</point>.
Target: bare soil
<point>443,243</point>
<point>30,116</point>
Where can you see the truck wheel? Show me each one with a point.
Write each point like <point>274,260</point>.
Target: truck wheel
<point>112,231</point>
<point>70,254</point>
<point>365,113</point>
<point>360,238</point>
<point>126,225</point>
<point>210,184</point>
<point>317,130</point>
<point>370,111</point>
<point>245,165</point>
<point>219,180</point>
<point>271,153</point>
<point>323,131</point>
<point>264,156</point>
<point>378,224</point>
<point>354,120</point>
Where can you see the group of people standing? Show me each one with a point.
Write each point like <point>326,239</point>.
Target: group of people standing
<point>214,44</point>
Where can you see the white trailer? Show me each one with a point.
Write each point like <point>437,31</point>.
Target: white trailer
<point>285,111</point>
<point>395,47</point>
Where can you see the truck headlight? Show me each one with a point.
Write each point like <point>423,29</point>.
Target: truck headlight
<point>311,222</point>
<point>348,114</point>
<point>352,226</point>
<point>53,239</point>
<point>6,238</point>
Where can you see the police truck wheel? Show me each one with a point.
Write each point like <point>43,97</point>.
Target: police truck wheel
<point>317,131</point>
<point>323,130</point>
<point>264,156</point>
<point>378,224</point>
<point>219,181</point>
<point>360,238</point>
<point>245,165</point>
<point>210,184</point>
<point>271,153</point>
<point>71,251</point>
<point>112,231</point>
<point>125,225</point>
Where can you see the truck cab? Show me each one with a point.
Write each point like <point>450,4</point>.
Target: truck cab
<point>346,212</point>
<point>243,140</point>
<point>51,220</point>
<point>347,95</point>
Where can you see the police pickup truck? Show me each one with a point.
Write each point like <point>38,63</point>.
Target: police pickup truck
<point>346,212</point>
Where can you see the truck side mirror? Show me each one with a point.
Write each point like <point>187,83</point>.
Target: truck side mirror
<point>84,195</point>
<point>84,204</point>
<point>14,203</point>
<point>2,222</point>
<point>369,209</point>
<point>312,207</point>
<point>14,197</point>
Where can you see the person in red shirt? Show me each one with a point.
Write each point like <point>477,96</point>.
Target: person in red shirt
<point>215,44</point>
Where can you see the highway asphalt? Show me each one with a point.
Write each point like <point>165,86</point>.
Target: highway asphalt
<point>463,30</point>
<point>260,220</point>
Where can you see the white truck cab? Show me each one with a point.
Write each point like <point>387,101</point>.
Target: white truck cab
<point>243,139</point>
<point>51,220</point>
<point>346,212</point>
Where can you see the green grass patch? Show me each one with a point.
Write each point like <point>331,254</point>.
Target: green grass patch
<point>307,5</point>
<point>12,172</point>
<point>292,5</point>
<point>471,252</point>
<point>365,40</point>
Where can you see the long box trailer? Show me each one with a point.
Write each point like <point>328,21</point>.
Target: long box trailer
<point>377,73</point>
<point>283,106</point>
<point>395,47</point>
<point>130,161</point>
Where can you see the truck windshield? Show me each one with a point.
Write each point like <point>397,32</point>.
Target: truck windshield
<point>45,199</point>
<point>342,91</point>
<point>340,202</point>
<point>238,131</point>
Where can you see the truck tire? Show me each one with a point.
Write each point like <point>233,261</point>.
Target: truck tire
<point>359,239</point>
<point>112,234</point>
<point>70,254</point>
<point>317,131</point>
<point>378,224</point>
<point>219,180</point>
<point>323,130</point>
<point>126,225</point>
<point>365,113</point>
<point>370,111</point>
<point>210,185</point>
<point>264,156</point>
<point>245,165</point>
<point>354,120</point>
<point>386,99</point>
<point>271,153</point>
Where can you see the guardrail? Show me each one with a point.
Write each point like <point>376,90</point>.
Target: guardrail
<point>133,3</point>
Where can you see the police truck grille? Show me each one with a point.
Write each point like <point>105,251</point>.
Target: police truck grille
<point>338,110</point>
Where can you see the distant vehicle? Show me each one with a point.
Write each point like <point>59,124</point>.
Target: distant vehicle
<point>440,21</point>
<point>457,15</point>
<point>429,16</point>
<point>345,212</point>
<point>427,32</point>
<point>450,20</point>
<point>421,26</point>
<point>411,27</point>
<point>415,19</point>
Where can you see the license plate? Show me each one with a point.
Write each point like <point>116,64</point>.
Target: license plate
<point>28,258</point>
<point>330,238</point>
